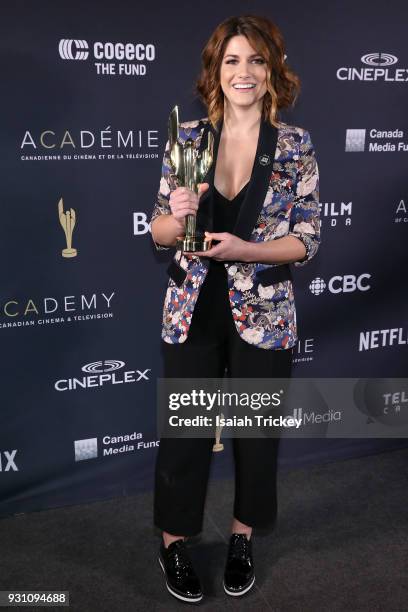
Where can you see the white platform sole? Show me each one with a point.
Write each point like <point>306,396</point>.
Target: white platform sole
<point>234,594</point>
<point>188,599</point>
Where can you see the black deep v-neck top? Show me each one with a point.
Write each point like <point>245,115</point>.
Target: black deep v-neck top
<point>226,211</point>
<point>225,215</point>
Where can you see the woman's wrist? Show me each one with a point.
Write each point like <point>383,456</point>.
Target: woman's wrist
<point>286,249</point>
<point>167,229</point>
<point>179,226</point>
<point>251,252</point>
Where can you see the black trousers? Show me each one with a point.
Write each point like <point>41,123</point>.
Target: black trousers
<point>213,346</point>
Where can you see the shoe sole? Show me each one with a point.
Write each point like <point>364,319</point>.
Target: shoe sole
<point>234,593</point>
<point>174,593</point>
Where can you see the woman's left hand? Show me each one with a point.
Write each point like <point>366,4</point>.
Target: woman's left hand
<point>229,248</point>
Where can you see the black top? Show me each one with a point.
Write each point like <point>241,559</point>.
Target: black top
<point>225,215</point>
<point>226,211</point>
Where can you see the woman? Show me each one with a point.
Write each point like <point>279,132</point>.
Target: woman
<point>232,308</point>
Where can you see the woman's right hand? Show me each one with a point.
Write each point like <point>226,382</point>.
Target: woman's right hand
<point>183,201</point>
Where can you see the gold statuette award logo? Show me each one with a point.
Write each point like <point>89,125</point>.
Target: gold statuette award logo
<point>67,220</point>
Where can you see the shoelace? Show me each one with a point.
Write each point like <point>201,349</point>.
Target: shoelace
<point>239,548</point>
<point>178,556</point>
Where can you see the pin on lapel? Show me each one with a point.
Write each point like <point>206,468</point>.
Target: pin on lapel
<point>264,159</point>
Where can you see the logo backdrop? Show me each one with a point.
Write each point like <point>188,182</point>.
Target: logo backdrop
<point>85,99</point>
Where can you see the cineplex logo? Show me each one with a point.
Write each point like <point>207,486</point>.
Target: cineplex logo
<point>100,373</point>
<point>376,67</point>
<point>341,284</point>
<point>378,141</point>
<point>7,461</point>
<point>110,56</point>
<point>112,445</point>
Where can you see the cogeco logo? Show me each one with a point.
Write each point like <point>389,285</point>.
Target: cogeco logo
<point>132,57</point>
<point>73,49</point>
<point>78,50</point>
<point>341,284</point>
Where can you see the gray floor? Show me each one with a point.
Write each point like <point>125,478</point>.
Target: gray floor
<point>340,543</point>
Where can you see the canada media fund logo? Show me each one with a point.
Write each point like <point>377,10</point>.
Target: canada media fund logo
<point>375,141</point>
<point>112,445</point>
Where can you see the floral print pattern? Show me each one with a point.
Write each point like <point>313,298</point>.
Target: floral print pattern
<point>264,314</point>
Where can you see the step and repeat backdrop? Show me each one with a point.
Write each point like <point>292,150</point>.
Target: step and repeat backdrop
<point>87,88</point>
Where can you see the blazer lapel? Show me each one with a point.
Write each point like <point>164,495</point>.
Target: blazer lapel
<point>258,185</point>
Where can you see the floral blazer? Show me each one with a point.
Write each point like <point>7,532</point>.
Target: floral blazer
<point>281,199</point>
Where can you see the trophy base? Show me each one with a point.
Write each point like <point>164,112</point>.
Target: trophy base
<point>69,252</point>
<point>218,446</point>
<point>193,244</point>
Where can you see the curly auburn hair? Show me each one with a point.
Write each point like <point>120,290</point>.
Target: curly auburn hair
<point>283,85</point>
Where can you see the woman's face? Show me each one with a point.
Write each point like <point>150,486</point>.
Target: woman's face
<point>242,66</point>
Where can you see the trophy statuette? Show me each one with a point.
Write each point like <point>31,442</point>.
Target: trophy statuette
<point>190,168</point>
<point>218,446</point>
<point>67,219</point>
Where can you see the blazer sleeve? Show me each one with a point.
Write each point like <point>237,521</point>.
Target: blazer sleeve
<point>162,206</point>
<point>305,214</point>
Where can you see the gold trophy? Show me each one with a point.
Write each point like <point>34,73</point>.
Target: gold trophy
<point>218,446</point>
<point>67,220</point>
<point>190,167</point>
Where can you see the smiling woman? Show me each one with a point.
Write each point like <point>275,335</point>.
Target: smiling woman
<point>265,41</point>
<point>230,310</point>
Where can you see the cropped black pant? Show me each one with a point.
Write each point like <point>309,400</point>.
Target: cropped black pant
<point>182,466</point>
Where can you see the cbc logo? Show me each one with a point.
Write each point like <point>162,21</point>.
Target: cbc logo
<point>73,49</point>
<point>341,284</point>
